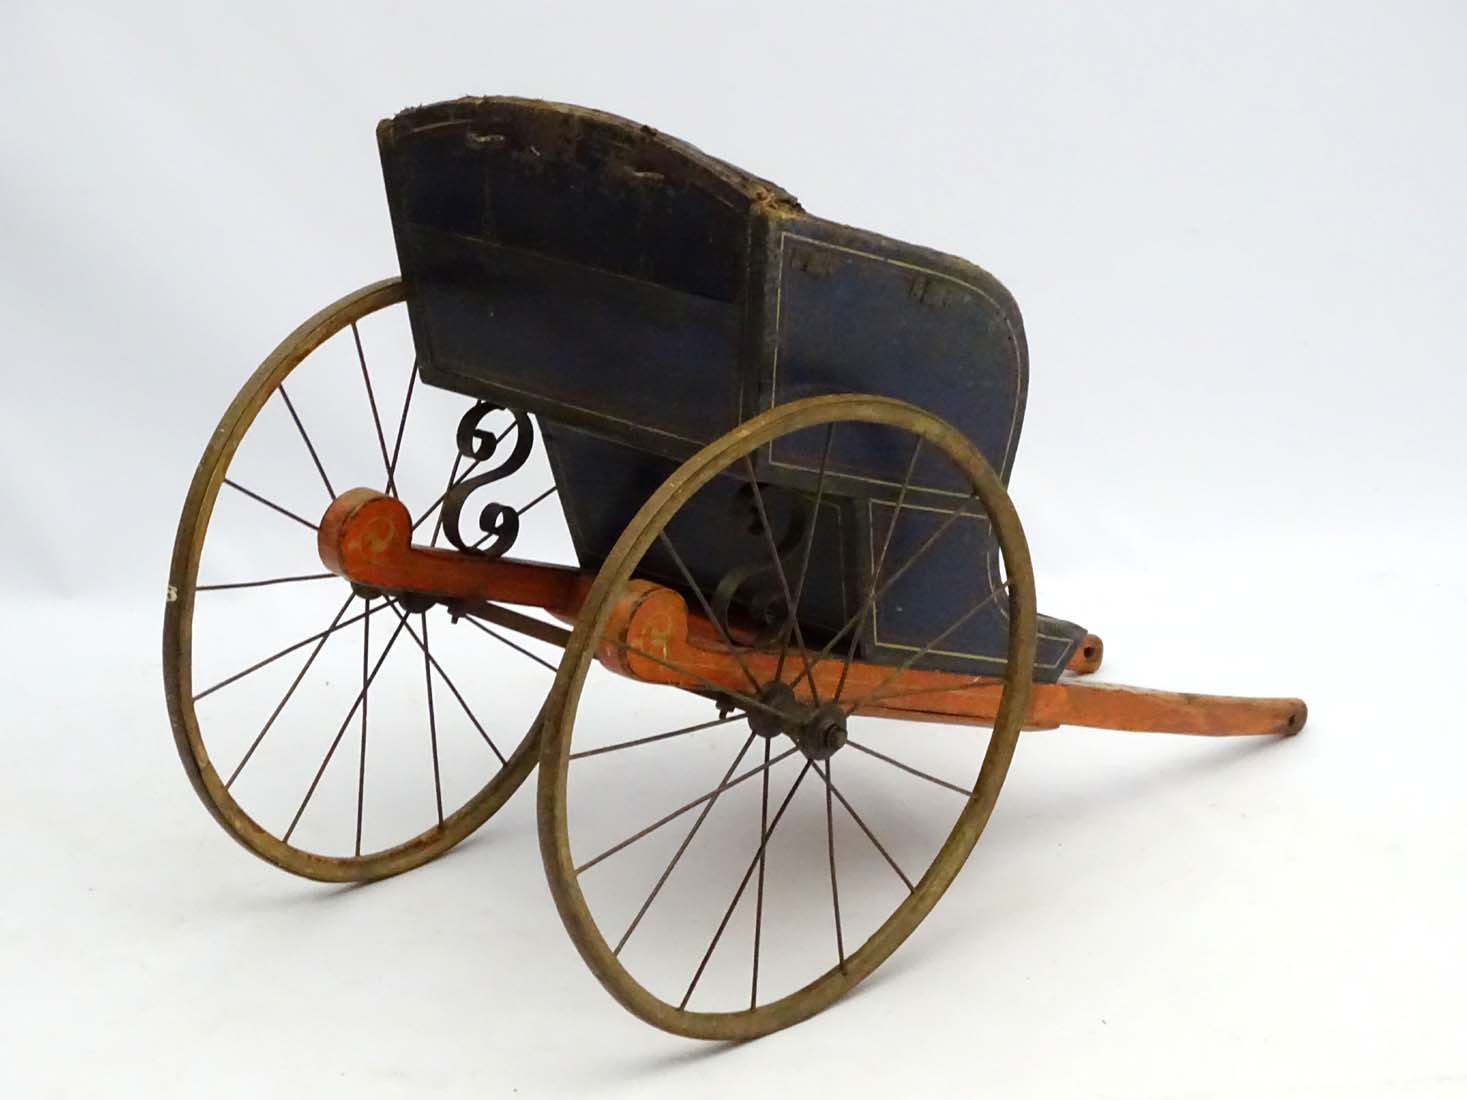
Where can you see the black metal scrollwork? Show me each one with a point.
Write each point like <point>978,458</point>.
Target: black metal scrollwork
<point>750,594</point>
<point>499,524</point>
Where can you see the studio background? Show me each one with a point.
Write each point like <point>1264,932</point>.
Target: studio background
<point>1235,232</point>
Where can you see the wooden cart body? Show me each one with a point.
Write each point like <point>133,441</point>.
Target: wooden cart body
<point>642,298</point>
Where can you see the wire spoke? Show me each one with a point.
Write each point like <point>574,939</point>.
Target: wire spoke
<point>432,716</point>
<point>269,504</point>
<point>687,840</point>
<point>744,882</point>
<point>330,752</point>
<point>301,675</point>
<point>831,788</point>
<point>784,642</point>
<point>402,423</point>
<point>432,660</point>
<point>910,770</point>
<point>930,646</point>
<point>759,897</point>
<point>306,439</point>
<point>376,417</point>
<point>879,567</point>
<point>428,511</point>
<point>498,637</point>
<point>784,581</point>
<point>262,584</point>
<point>656,737</point>
<point>840,942</point>
<point>682,568</point>
<point>285,652</point>
<point>537,500</point>
<point>897,575</point>
<point>362,760</point>
<point>694,804</point>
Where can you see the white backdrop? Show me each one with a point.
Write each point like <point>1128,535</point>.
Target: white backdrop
<point>1236,232</point>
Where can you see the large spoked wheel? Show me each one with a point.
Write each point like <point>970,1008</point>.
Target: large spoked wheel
<point>708,894</point>
<point>356,751</point>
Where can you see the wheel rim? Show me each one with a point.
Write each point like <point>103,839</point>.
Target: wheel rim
<point>600,937</point>
<point>508,755</point>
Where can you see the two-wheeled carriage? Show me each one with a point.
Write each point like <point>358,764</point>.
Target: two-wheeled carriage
<point>779,448</point>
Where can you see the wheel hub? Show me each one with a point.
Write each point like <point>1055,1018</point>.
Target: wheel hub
<point>819,730</point>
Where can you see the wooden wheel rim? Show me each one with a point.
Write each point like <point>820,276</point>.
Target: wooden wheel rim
<point>559,716</point>
<point>178,625</point>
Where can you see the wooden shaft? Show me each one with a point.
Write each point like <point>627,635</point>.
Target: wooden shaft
<point>647,639</point>
<point>1120,707</point>
<point>365,537</point>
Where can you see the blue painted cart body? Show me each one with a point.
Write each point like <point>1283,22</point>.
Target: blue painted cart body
<point>640,298</point>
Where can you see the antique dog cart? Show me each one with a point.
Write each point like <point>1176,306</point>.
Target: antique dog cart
<point>775,451</point>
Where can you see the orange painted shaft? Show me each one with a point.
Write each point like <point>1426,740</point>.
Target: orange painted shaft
<point>366,537</point>
<point>648,640</point>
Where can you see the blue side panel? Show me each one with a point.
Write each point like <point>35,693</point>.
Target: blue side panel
<point>959,572</point>
<point>852,312</point>
<point>846,311</point>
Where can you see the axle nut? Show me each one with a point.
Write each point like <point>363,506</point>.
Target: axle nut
<point>824,733</point>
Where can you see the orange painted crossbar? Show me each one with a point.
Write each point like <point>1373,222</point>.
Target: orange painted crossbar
<point>366,537</point>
